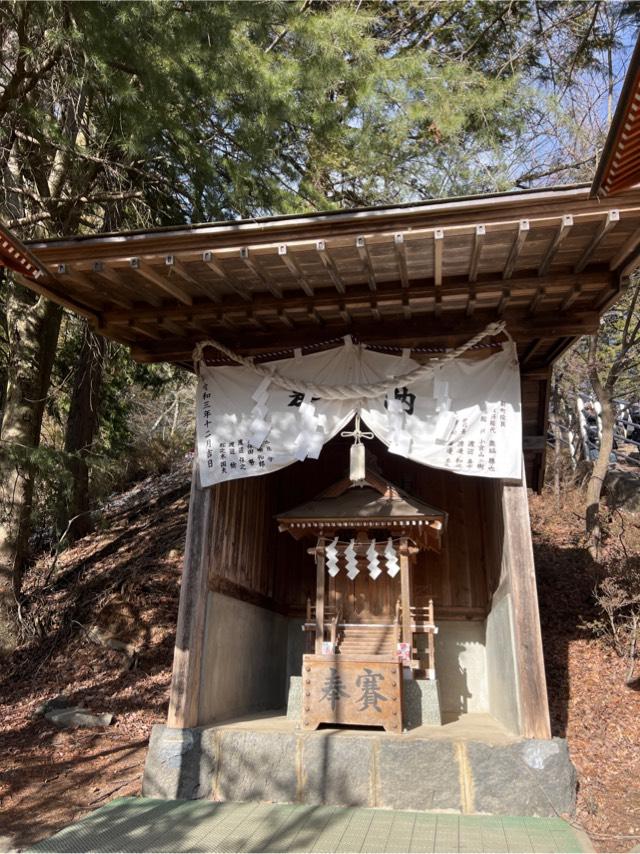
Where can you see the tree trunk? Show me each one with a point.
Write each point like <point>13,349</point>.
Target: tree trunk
<point>33,334</point>
<point>82,424</point>
<point>604,395</point>
<point>556,429</point>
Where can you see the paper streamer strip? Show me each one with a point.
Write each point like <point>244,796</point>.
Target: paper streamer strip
<point>393,567</point>
<point>331,553</point>
<point>374,563</point>
<point>352,561</point>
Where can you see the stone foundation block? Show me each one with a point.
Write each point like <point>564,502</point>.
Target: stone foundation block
<point>417,774</point>
<point>180,763</point>
<point>532,777</point>
<point>337,769</point>
<point>529,777</point>
<point>256,766</point>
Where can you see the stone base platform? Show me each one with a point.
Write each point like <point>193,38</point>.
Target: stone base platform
<point>270,759</point>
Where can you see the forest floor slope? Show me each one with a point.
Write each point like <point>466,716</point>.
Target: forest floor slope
<point>123,581</point>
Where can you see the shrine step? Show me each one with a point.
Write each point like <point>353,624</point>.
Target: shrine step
<point>366,640</point>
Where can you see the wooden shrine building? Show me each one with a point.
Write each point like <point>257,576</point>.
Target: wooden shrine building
<point>422,277</point>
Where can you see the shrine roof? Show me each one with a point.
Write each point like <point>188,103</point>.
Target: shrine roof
<point>425,276</point>
<point>429,273</point>
<point>619,163</point>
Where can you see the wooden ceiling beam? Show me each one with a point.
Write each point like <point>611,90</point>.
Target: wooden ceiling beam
<point>420,289</point>
<point>330,265</point>
<point>175,265</point>
<point>627,249</point>
<point>210,260</point>
<point>266,280</point>
<point>574,293</point>
<point>438,249</point>
<point>284,318</point>
<point>144,270</point>
<point>530,350</point>
<point>83,281</point>
<point>538,298</point>
<point>365,257</point>
<point>48,289</point>
<point>145,331</point>
<point>478,240</point>
<point>401,258</point>
<point>423,331</point>
<point>562,231</point>
<point>87,292</point>
<point>516,248</point>
<point>471,302</point>
<point>294,268</point>
<point>141,293</point>
<point>610,221</point>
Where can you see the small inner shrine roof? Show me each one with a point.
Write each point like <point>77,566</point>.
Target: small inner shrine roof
<point>365,504</point>
<point>376,503</point>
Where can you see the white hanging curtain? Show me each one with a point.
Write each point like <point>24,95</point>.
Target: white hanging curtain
<point>464,416</point>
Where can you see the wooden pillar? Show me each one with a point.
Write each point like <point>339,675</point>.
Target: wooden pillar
<point>405,594</point>
<point>520,568</point>
<point>320,585</point>
<point>194,590</point>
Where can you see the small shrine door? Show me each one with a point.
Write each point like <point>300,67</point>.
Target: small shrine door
<point>363,600</point>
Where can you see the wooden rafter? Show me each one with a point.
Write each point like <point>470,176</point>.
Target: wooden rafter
<point>144,270</point>
<point>292,265</point>
<point>516,247</point>
<point>401,258</point>
<point>330,265</point>
<point>611,220</point>
<point>438,250</point>
<point>252,265</point>
<point>365,257</point>
<point>478,240</point>
<point>427,330</point>
<point>177,266</point>
<point>109,276</point>
<point>209,259</point>
<point>561,233</point>
<point>391,293</point>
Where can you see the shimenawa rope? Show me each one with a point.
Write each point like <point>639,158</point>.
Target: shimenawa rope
<point>347,392</point>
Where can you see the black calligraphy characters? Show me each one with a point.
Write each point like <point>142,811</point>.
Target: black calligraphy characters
<point>371,695</point>
<point>333,689</point>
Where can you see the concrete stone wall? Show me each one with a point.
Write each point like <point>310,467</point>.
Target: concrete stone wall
<point>244,660</point>
<point>461,667</point>
<point>295,648</point>
<point>501,667</point>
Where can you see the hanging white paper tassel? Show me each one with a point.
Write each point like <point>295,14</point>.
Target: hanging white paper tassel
<point>357,470</point>
<point>352,560</point>
<point>393,567</point>
<point>374,563</point>
<point>331,553</point>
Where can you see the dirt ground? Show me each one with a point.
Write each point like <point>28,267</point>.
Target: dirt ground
<point>125,578</point>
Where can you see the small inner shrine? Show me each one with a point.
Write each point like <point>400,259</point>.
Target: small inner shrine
<point>366,640</point>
